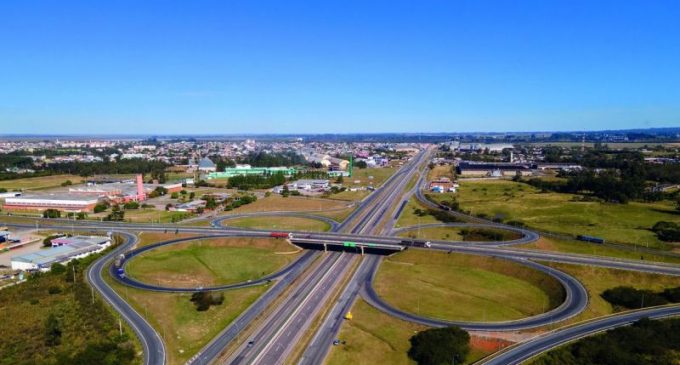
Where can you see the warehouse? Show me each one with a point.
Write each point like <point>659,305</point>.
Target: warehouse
<point>499,169</point>
<point>43,259</point>
<point>248,170</point>
<point>67,202</point>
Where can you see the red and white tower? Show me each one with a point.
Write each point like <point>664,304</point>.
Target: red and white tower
<point>141,195</point>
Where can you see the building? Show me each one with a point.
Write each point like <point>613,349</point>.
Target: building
<point>206,165</point>
<point>443,184</point>
<point>191,206</point>
<point>77,240</point>
<point>247,170</point>
<point>67,202</point>
<point>469,168</point>
<point>491,147</point>
<point>43,259</point>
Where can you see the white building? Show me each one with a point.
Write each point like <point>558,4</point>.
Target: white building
<point>78,248</point>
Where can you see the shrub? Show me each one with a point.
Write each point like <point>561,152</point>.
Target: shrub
<point>51,213</point>
<point>131,205</point>
<point>440,346</point>
<point>628,297</point>
<point>203,300</point>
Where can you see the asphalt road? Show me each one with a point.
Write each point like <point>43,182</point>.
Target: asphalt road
<point>152,344</point>
<point>527,350</point>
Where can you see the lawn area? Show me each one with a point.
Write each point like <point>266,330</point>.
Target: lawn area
<point>555,212</point>
<point>374,176</point>
<point>39,183</point>
<point>208,262</point>
<point>184,329</point>
<point>579,247</point>
<point>276,202</point>
<point>409,218</point>
<point>339,215</point>
<point>440,171</point>
<point>434,233</point>
<point>350,195</point>
<point>146,215</point>
<point>276,222</point>
<point>147,238</point>
<point>465,287</point>
<point>596,280</point>
<point>376,338</point>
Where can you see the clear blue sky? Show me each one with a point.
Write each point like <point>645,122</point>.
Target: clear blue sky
<point>337,66</point>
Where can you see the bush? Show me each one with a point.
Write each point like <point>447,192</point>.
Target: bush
<point>203,300</point>
<point>174,195</point>
<point>51,213</point>
<point>440,346</point>
<point>667,231</point>
<point>295,193</point>
<point>47,242</point>
<point>54,290</point>
<point>631,298</point>
<point>100,207</point>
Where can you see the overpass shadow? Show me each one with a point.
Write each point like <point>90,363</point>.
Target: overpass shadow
<point>340,248</point>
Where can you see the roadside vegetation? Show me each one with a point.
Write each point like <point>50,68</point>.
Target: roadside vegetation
<point>597,280</point>
<point>626,297</point>
<point>645,342</point>
<point>279,223</point>
<point>521,204</point>
<point>426,283</point>
<point>208,262</point>
<point>54,318</point>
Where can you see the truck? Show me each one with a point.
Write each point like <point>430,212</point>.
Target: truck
<point>281,235</point>
<point>591,239</point>
<point>416,243</point>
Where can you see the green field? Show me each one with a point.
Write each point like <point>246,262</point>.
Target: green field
<point>279,222</point>
<point>374,176</point>
<point>585,248</point>
<point>211,261</point>
<point>555,212</point>
<point>373,337</point>
<point>596,280</point>
<point>184,329</point>
<point>39,183</point>
<point>465,287</point>
<point>434,233</point>
<point>409,218</point>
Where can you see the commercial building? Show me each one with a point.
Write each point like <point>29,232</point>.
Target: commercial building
<point>77,240</point>
<point>248,170</point>
<point>43,259</point>
<point>443,184</point>
<point>304,185</point>
<point>67,202</point>
<point>206,165</point>
<point>191,206</point>
<point>469,168</point>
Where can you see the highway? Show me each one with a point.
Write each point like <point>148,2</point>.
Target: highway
<point>310,293</point>
<point>545,342</point>
<point>152,344</point>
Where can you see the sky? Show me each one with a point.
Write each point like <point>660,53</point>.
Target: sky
<point>222,67</point>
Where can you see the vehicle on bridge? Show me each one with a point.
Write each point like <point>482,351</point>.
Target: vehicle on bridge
<point>281,235</point>
<point>416,243</point>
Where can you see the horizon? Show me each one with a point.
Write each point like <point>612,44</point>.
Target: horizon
<point>215,68</point>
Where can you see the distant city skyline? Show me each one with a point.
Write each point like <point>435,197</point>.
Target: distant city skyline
<point>211,67</point>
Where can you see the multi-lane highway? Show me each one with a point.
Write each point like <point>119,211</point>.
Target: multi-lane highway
<point>308,283</point>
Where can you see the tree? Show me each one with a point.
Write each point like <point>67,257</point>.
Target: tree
<point>51,213</point>
<point>174,195</point>
<point>100,207</point>
<point>285,192</point>
<point>67,183</point>
<point>340,179</point>
<point>439,346</point>
<point>360,164</point>
<point>52,331</point>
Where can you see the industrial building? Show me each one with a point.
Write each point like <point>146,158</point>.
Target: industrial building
<point>304,185</point>
<point>248,170</point>
<point>499,169</point>
<point>43,259</point>
<point>85,198</point>
<point>442,185</point>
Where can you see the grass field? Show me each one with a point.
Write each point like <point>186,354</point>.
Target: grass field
<point>145,215</point>
<point>374,176</point>
<point>440,171</point>
<point>596,280</point>
<point>554,212</point>
<point>39,183</point>
<point>147,238</point>
<point>276,202</point>
<point>211,261</point>
<point>185,330</point>
<point>579,247</point>
<point>276,222</point>
<point>427,283</point>
<point>409,218</point>
<point>434,233</point>
<point>375,338</point>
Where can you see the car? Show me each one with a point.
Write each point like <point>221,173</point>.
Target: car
<point>251,343</point>
<point>336,342</point>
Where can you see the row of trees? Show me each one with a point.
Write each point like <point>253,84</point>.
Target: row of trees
<point>667,231</point>
<point>631,298</point>
<point>249,182</point>
<point>645,342</point>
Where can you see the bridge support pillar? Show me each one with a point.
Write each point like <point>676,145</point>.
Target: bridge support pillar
<point>325,247</point>
<point>362,250</point>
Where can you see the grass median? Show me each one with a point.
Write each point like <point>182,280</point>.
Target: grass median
<point>208,262</point>
<point>280,223</point>
<point>465,287</point>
